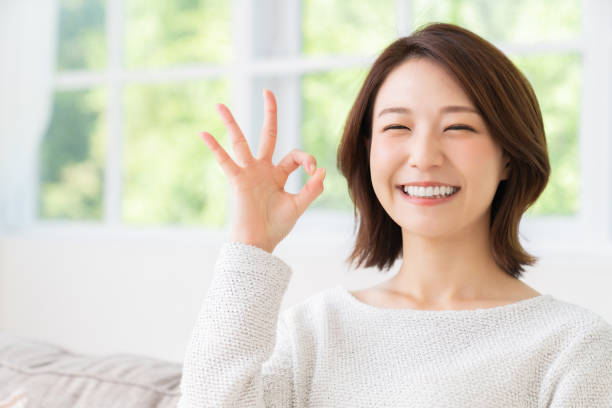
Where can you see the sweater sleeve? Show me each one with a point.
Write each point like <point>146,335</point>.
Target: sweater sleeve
<point>582,376</point>
<point>240,353</point>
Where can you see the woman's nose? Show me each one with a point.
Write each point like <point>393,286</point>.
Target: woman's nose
<point>424,150</point>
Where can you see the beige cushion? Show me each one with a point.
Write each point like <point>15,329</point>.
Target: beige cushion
<point>51,376</point>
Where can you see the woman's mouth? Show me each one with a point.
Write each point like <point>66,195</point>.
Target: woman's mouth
<point>428,195</point>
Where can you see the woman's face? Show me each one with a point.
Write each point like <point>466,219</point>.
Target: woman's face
<point>415,139</point>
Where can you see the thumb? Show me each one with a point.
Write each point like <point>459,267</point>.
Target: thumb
<point>311,190</point>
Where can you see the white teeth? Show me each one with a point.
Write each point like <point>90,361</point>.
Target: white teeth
<point>429,192</point>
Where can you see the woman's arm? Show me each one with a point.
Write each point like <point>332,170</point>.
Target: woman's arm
<point>238,329</point>
<point>240,354</point>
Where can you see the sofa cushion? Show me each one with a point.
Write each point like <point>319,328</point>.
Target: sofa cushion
<point>17,399</point>
<point>51,376</point>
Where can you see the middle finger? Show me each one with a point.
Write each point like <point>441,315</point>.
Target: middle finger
<point>268,132</point>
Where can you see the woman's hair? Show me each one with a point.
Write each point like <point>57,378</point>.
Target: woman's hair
<point>511,112</point>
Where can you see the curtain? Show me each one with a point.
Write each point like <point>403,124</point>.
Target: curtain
<point>28,31</point>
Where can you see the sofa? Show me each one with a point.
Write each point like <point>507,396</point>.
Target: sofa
<point>38,374</point>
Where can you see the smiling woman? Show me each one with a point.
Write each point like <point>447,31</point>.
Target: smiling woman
<point>493,113</point>
<point>455,320</point>
<point>434,169</point>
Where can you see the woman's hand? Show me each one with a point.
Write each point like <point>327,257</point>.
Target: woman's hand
<point>263,212</point>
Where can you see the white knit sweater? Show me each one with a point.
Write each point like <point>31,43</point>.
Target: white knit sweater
<point>332,350</point>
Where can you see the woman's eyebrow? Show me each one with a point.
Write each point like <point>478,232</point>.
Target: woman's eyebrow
<point>445,109</point>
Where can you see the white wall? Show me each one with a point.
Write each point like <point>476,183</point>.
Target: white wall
<point>140,292</point>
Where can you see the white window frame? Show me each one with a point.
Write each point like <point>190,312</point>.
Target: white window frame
<point>275,25</point>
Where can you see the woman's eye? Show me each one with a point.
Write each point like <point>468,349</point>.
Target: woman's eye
<point>395,127</point>
<point>460,127</point>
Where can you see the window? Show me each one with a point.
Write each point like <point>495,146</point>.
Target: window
<point>137,79</point>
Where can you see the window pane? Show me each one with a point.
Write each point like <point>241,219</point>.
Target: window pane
<point>170,175</point>
<point>506,20</point>
<point>161,33</point>
<point>72,157</point>
<point>81,43</point>
<point>328,97</point>
<point>347,27</point>
<point>556,80</point>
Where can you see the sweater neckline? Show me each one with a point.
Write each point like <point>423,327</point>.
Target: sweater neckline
<point>518,305</point>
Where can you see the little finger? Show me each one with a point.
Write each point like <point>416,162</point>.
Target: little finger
<point>228,166</point>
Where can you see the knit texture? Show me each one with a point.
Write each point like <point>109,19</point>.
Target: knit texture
<point>333,350</point>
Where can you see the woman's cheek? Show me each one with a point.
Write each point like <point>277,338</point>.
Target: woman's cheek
<point>476,152</point>
<point>380,155</point>
<point>382,160</point>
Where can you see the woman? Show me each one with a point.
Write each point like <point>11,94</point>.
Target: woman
<point>444,149</point>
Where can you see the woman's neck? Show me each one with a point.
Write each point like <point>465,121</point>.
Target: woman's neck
<point>450,269</point>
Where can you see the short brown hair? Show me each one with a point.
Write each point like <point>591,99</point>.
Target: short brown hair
<point>511,112</point>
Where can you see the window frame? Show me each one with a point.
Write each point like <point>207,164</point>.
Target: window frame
<point>590,231</point>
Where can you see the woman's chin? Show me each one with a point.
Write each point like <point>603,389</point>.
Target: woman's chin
<point>426,231</point>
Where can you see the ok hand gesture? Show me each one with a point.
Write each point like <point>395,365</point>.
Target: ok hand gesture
<point>263,212</point>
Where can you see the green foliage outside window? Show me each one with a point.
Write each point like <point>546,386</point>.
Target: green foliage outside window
<point>359,27</point>
<point>81,38</point>
<point>72,157</point>
<point>168,174</point>
<point>516,21</point>
<point>161,33</point>
<point>327,100</point>
<point>170,177</point>
<point>557,84</point>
